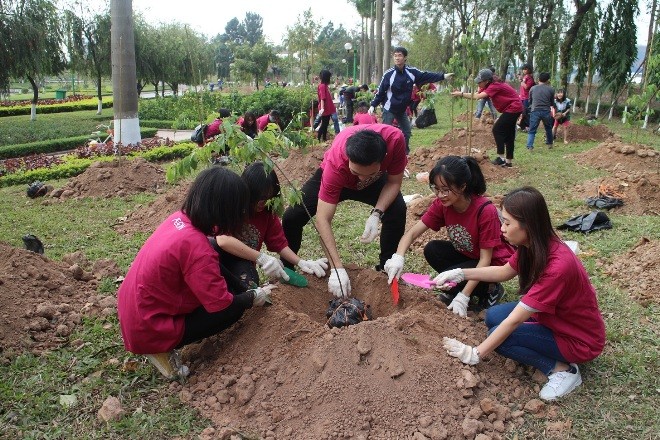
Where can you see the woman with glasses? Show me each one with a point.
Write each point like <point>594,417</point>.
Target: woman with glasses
<point>556,324</point>
<point>240,252</point>
<point>473,226</point>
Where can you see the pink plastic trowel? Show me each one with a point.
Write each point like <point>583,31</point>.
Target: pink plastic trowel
<point>422,280</point>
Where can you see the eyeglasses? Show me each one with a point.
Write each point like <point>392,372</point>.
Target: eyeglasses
<point>440,192</point>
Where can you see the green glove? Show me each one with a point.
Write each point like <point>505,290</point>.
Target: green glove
<point>295,279</point>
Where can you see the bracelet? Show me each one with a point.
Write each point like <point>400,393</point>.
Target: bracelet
<point>377,211</point>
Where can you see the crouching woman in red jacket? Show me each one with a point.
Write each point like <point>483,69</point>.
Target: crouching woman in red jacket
<point>556,324</point>
<point>174,293</point>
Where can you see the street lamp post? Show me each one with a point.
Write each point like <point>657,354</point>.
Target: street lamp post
<point>344,62</point>
<point>349,48</point>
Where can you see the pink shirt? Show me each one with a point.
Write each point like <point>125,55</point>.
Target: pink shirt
<point>214,128</point>
<point>528,80</point>
<point>504,97</point>
<point>364,118</point>
<point>567,304</point>
<point>262,122</point>
<point>175,272</point>
<point>326,97</point>
<point>468,232</point>
<point>264,227</point>
<point>336,174</point>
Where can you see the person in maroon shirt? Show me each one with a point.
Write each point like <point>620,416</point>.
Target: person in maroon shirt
<point>506,101</point>
<point>241,253</point>
<point>556,324</point>
<point>174,293</point>
<point>326,104</point>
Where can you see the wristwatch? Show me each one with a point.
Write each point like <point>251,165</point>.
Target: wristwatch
<point>378,211</point>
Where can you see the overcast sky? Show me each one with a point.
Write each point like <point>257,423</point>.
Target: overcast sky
<point>210,17</point>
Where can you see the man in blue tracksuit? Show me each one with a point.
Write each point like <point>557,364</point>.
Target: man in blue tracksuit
<point>395,91</point>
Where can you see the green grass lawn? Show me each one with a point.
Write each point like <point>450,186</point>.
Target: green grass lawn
<point>615,402</point>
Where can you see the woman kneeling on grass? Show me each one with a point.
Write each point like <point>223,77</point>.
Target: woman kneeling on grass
<point>174,293</point>
<point>557,323</point>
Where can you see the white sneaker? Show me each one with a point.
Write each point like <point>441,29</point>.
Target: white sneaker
<point>406,173</point>
<point>561,383</point>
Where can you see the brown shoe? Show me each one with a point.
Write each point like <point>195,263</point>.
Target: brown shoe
<point>169,364</point>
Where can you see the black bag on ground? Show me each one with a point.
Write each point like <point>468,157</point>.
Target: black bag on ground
<point>594,221</point>
<point>347,311</point>
<point>32,243</point>
<point>604,202</point>
<point>36,189</point>
<point>198,135</point>
<point>426,117</point>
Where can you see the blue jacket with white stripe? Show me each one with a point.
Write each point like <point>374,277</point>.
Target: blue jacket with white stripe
<point>395,88</point>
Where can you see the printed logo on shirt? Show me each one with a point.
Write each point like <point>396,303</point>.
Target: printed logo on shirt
<point>178,223</point>
<point>362,184</point>
<point>460,238</point>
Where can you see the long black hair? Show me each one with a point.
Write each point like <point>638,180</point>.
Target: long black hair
<point>457,171</point>
<point>325,76</point>
<point>261,185</point>
<point>528,207</point>
<point>217,201</point>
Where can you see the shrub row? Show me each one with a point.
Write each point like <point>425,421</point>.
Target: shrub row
<point>73,166</point>
<point>55,145</point>
<point>90,104</point>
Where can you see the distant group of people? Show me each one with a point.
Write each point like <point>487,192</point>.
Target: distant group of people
<point>196,274</point>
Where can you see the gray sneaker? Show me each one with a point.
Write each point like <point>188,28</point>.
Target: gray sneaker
<point>561,383</point>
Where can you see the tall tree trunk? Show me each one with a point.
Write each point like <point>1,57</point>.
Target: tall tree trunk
<point>35,97</point>
<point>372,50</point>
<point>99,91</point>
<point>581,10</point>
<point>124,77</point>
<point>379,40</point>
<point>649,40</point>
<point>388,34</point>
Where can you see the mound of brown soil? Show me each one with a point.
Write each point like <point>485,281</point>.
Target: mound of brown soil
<point>118,178</point>
<point>638,271</point>
<point>614,155</point>
<point>281,373</point>
<point>44,300</point>
<point>300,166</point>
<point>148,218</point>
<point>597,132</point>
<point>456,143</point>
<point>639,190</point>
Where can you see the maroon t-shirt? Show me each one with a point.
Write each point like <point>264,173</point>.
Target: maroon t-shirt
<point>567,304</point>
<point>504,97</point>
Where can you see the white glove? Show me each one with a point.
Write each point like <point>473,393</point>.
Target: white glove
<point>314,267</point>
<point>467,354</point>
<point>445,279</point>
<point>448,76</point>
<point>272,267</point>
<point>339,282</point>
<point>394,267</point>
<point>320,112</point>
<point>262,295</point>
<point>370,228</point>
<point>371,110</point>
<point>459,304</point>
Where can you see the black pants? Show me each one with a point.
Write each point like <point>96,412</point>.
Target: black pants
<point>394,219</point>
<point>240,276</point>
<point>504,131</point>
<point>349,110</point>
<point>323,131</point>
<point>442,256</point>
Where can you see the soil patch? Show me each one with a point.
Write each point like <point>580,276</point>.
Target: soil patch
<point>638,271</point>
<point>147,218</point>
<point>44,300</point>
<point>281,373</point>
<point>117,178</point>
<point>635,175</point>
<point>300,166</point>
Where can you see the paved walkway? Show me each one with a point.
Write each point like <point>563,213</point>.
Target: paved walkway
<point>176,135</point>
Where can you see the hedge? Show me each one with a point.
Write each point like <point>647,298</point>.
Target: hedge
<point>55,108</point>
<point>74,166</point>
<point>55,145</point>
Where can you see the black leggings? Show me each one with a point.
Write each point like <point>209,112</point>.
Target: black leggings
<point>504,132</point>
<point>442,256</point>
<point>240,276</point>
<point>394,220</point>
<point>323,131</point>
